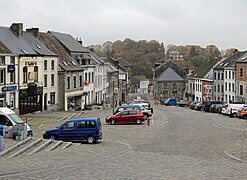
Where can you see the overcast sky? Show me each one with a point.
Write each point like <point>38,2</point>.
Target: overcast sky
<point>180,22</point>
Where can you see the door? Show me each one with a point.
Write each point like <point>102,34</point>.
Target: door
<point>123,117</point>
<point>132,116</point>
<point>67,131</point>
<point>45,101</point>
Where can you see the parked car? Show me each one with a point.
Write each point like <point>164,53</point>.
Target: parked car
<point>208,103</point>
<point>193,104</point>
<point>170,102</point>
<point>215,108</point>
<point>147,113</point>
<point>232,108</point>
<point>242,113</point>
<point>198,106</point>
<point>126,116</point>
<point>77,129</point>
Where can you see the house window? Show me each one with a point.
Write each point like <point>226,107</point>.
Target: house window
<point>12,60</point>
<point>218,88</point>
<point>229,86</point>
<point>2,77</point>
<point>45,80</point>
<point>52,98</point>
<point>241,73</point>
<point>222,88</point>
<point>241,90</point>
<point>214,75</point>
<point>12,100</point>
<point>2,59</point>
<point>222,76</point>
<point>175,85</point>
<point>92,77</point>
<point>89,77</point>
<point>174,93</point>
<point>165,93</point>
<point>226,74</point>
<point>233,75</point>
<point>68,82</point>
<point>12,77</point>
<point>165,85</point>
<point>74,81</point>
<point>52,79</point>
<point>80,81</point>
<point>52,64</point>
<point>233,87</point>
<point>229,74</point>
<point>225,86</point>
<point>36,73</point>
<point>45,64</point>
<point>218,76</point>
<point>25,74</point>
<point>85,76</point>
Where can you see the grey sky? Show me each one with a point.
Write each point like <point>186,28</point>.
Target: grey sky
<point>180,22</point>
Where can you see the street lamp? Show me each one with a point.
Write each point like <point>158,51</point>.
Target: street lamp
<point>113,94</point>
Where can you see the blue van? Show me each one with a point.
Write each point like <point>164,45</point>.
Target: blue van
<point>77,129</point>
<point>170,102</point>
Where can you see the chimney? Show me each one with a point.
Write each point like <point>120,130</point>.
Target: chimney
<point>80,41</point>
<point>91,49</point>
<point>34,31</point>
<point>17,28</point>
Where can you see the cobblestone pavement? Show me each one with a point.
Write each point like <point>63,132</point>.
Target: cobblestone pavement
<point>180,144</point>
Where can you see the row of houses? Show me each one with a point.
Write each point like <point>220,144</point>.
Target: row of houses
<point>216,79</point>
<point>42,71</point>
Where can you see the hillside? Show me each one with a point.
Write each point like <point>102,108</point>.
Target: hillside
<point>142,54</point>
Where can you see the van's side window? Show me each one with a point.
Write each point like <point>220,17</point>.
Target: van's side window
<point>4,121</point>
<point>68,125</point>
<point>90,124</point>
<point>81,124</point>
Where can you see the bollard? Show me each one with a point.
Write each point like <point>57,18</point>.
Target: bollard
<point>2,145</point>
<point>148,121</point>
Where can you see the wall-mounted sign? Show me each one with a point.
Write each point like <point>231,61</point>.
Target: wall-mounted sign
<point>31,63</point>
<point>9,88</point>
<point>11,68</point>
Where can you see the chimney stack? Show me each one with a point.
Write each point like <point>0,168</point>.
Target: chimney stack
<point>34,31</point>
<point>17,28</point>
<point>80,41</point>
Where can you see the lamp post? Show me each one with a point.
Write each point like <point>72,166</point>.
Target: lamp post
<point>113,95</point>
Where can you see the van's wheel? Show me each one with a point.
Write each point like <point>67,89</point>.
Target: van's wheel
<point>138,121</point>
<point>53,137</point>
<point>113,121</point>
<point>91,140</point>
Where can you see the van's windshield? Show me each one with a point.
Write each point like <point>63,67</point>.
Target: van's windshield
<point>15,118</point>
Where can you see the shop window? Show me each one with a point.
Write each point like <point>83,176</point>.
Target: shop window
<point>25,74</point>
<point>52,98</point>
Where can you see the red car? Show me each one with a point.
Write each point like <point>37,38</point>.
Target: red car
<point>126,116</point>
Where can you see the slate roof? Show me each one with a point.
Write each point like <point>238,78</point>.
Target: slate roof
<point>123,62</point>
<point>37,45</point>
<point>203,69</point>
<point>55,46</point>
<point>110,67</point>
<point>134,80</point>
<point>242,59</point>
<point>169,63</point>
<point>4,49</point>
<point>17,45</point>
<point>169,75</point>
<point>69,42</point>
<point>231,61</point>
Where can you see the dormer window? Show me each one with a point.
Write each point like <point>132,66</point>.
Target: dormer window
<point>241,73</point>
<point>24,51</point>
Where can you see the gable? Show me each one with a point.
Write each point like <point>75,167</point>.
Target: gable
<point>169,75</point>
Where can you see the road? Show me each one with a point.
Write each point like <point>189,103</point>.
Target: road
<point>180,144</point>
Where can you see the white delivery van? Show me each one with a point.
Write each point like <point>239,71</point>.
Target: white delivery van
<point>9,118</point>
